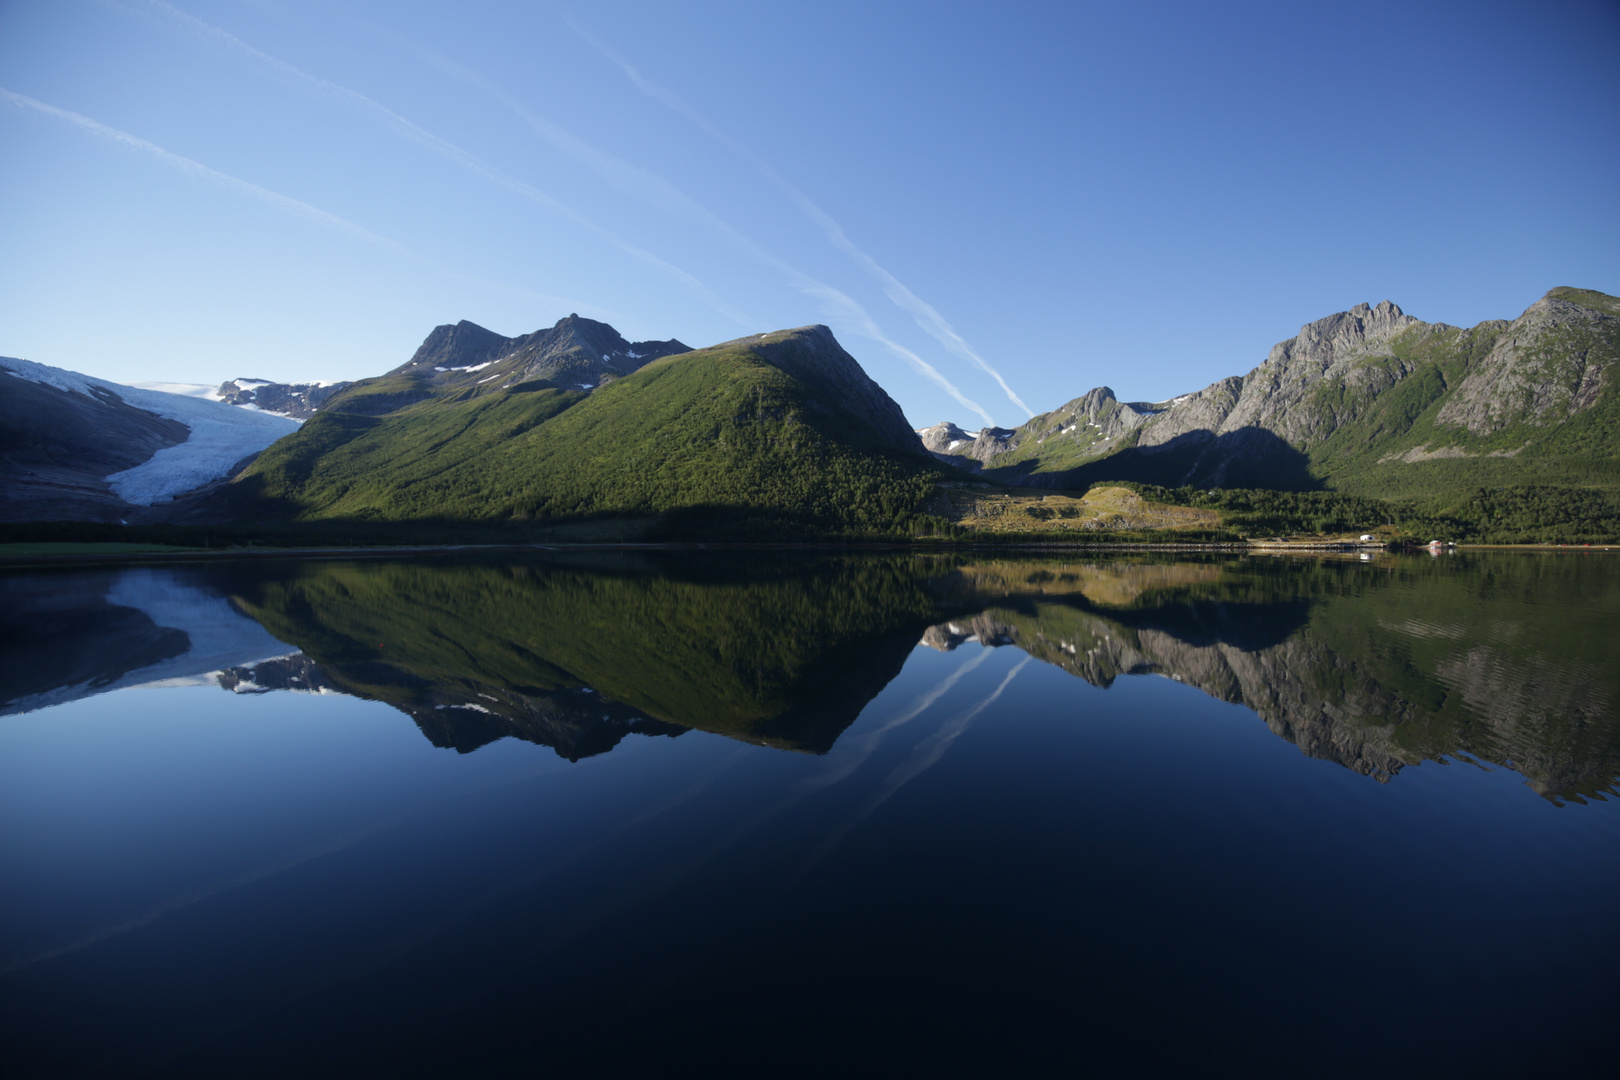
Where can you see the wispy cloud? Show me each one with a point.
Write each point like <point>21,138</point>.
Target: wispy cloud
<point>388,119</point>
<point>925,314</point>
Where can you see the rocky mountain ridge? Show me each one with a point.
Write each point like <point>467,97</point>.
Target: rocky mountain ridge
<point>1363,388</point>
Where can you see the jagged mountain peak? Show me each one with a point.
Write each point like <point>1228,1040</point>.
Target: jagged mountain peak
<point>1346,333</point>
<point>456,345</point>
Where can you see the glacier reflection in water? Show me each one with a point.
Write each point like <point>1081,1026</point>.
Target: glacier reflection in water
<point>961,813</point>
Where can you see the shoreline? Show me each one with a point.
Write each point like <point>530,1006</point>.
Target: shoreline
<point>92,558</point>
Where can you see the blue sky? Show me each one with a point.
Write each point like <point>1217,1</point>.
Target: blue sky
<point>995,206</point>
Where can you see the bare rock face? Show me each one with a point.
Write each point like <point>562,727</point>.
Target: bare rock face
<point>1549,364</point>
<point>576,354</point>
<point>1277,395</point>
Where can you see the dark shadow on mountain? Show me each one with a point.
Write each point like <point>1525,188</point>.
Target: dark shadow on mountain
<point>1251,457</point>
<point>585,730</point>
<point>1249,627</point>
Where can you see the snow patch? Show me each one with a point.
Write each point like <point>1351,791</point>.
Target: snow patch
<point>468,705</point>
<point>477,367</point>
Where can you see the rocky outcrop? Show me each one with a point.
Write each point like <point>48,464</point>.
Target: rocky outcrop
<point>1549,364</point>
<point>298,401</point>
<point>576,354</point>
<point>944,437</point>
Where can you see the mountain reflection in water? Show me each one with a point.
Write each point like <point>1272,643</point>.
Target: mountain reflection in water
<point>886,812</point>
<point>1374,666</point>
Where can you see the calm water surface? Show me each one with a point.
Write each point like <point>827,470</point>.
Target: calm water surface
<point>783,815</point>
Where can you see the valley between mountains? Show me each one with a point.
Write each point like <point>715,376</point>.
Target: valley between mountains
<point>1365,422</point>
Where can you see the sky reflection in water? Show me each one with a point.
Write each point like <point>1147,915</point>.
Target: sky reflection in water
<point>911,813</point>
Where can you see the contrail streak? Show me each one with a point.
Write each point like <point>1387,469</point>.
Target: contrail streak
<point>286,204</point>
<point>643,183</point>
<point>925,314</point>
<point>622,175</point>
<point>924,756</point>
<point>400,126</point>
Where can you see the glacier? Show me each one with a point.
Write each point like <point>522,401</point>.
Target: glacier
<point>221,435</point>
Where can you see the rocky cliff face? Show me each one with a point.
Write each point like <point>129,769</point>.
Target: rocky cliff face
<point>1548,365</point>
<point>1278,395</point>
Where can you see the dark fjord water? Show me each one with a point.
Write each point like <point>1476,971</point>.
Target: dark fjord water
<point>782,815</point>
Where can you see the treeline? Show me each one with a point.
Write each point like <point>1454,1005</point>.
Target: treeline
<point>1532,514</point>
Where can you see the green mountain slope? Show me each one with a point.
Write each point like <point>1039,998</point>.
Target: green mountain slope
<point>778,434</point>
<point>1369,402</point>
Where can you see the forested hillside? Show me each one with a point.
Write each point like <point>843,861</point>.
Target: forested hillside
<point>778,435</point>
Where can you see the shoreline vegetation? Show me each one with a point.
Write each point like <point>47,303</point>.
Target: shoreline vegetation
<point>958,514</point>
<point>22,555</point>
